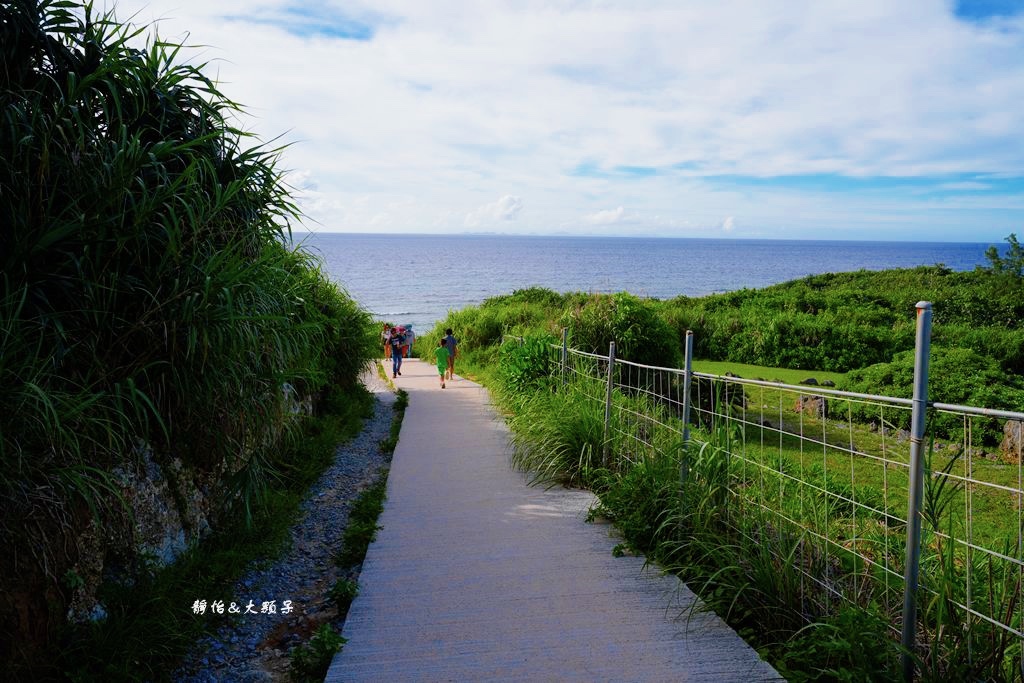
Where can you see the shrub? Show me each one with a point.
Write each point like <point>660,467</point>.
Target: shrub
<point>534,296</point>
<point>526,366</point>
<point>310,662</point>
<point>343,593</point>
<point>362,527</point>
<point>639,333</point>
<point>956,376</point>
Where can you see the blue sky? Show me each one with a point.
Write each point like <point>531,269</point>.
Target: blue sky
<point>739,118</point>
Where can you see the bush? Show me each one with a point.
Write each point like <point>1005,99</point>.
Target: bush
<point>533,296</point>
<point>310,662</point>
<point>956,376</point>
<point>559,437</point>
<point>343,593</point>
<point>639,333</point>
<point>526,366</point>
<point>361,529</point>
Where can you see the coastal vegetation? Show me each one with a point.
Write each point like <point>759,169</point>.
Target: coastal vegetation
<point>861,323</point>
<point>794,537</point>
<point>743,530</point>
<point>158,334</point>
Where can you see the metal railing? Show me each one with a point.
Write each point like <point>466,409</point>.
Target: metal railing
<point>852,473</point>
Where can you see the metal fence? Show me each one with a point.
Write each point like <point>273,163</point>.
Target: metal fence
<point>846,471</point>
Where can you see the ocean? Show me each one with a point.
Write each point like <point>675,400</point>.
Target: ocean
<point>417,279</point>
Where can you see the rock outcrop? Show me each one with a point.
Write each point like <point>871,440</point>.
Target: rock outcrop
<point>1012,446</point>
<point>812,405</point>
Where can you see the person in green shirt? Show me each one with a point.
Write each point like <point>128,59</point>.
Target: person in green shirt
<point>441,354</point>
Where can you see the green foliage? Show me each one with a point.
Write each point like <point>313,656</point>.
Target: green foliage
<point>343,593</point>
<point>310,662</point>
<point>534,296</point>
<point>825,322</point>
<point>389,444</point>
<point>956,646</point>
<point>526,366</point>
<point>148,298</point>
<point>639,499</point>
<point>843,321</point>
<point>362,524</point>
<point>1012,263</point>
<point>958,376</point>
<point>557,437</point>
<point>639,333</point>
<point>851,646</point>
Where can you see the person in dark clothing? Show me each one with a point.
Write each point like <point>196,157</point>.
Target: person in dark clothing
<point>397,342</point>
<point>453,349</point>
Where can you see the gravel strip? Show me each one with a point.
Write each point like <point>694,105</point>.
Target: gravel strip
<point>255,647</point>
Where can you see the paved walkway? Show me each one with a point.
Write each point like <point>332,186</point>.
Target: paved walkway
<point>476,576</point>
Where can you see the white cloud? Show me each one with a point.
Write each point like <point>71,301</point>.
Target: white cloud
<point>505,209</point>
<point>451,104</point>
<point>605,217</point>
<point>729,224</point>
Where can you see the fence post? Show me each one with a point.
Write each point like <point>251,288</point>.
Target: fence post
<point>608,405</point>
<point>684,467</point>
<point>565,353</point>
<point>922,350</point>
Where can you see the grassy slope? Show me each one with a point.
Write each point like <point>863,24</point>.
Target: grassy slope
<point>748,371</point>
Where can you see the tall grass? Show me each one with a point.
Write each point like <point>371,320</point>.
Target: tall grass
<point>558,437</point>
<point>743,525</point>
<point>148,301</point>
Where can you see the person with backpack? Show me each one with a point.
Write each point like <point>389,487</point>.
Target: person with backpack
<point>397,342</point>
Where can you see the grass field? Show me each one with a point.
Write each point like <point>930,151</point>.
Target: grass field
<point>870,464</point>
<point>783,375</point>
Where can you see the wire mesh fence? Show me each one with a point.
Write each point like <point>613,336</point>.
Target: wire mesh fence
<point>830,471</point>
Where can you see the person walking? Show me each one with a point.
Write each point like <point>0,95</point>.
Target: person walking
<point>410,338</point>
<point>386,336</point>
<point>397,341</point>
<point>453,350</point>
<point>442,356</point>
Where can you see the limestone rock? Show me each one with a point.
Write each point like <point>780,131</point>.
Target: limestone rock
<point>812,405</point>
<point>1012,446</point>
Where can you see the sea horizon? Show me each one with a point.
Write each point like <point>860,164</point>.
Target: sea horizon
<point>298,234</point>
<point>418,278</point>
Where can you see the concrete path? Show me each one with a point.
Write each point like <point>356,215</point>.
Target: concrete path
<point>476,576</point>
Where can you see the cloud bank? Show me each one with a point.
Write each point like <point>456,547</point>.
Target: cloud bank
<point>859,120</point>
